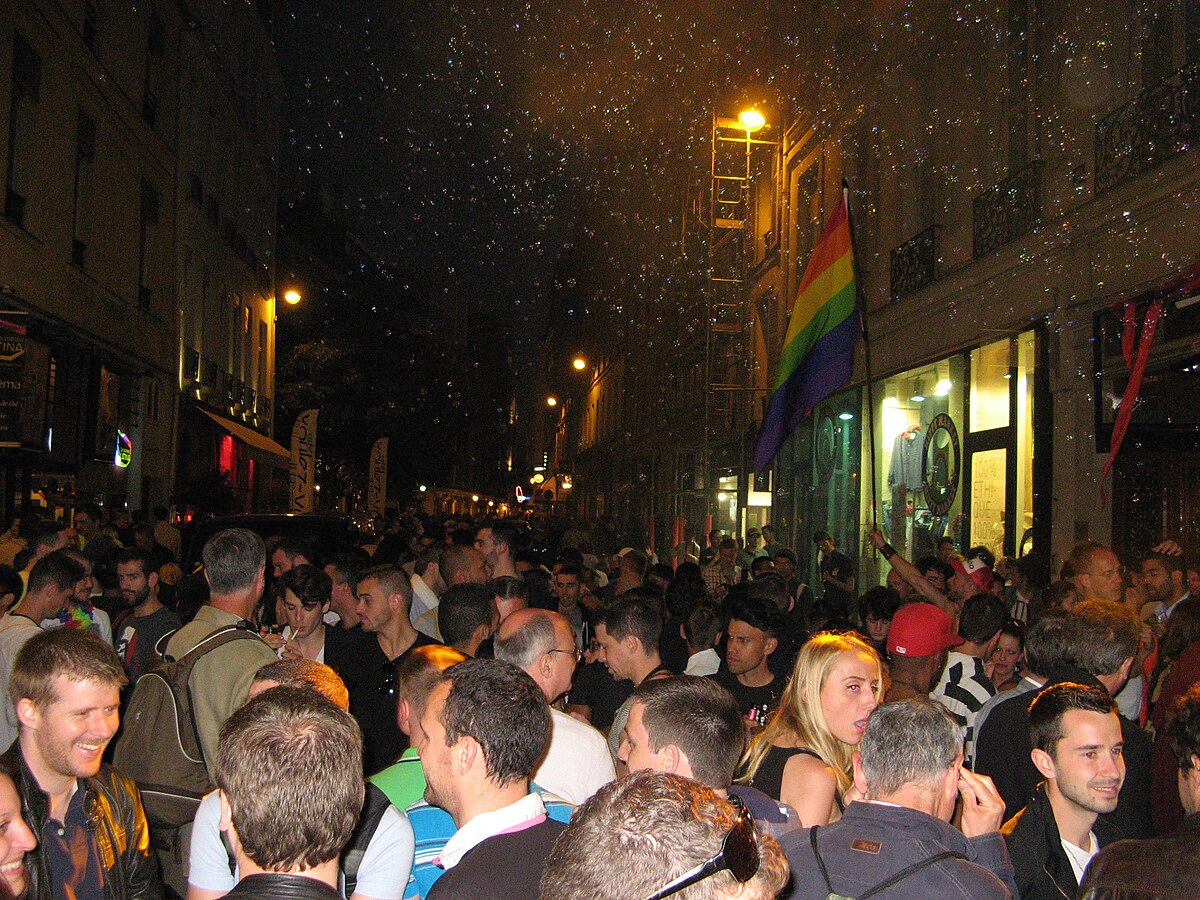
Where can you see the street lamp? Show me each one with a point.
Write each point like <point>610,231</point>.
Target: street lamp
<point>579,363</point>
<point>552,401</point>
<point>751,119</point>
<point>292,296</point>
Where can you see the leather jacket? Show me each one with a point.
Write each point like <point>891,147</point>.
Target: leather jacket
<point>1141,870</point>
<point>273,886</point>
<point>114,811</point>
<point>1043,870</point>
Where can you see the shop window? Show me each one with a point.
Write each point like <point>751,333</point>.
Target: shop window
<point>918,423</point>
<point>991,371</point>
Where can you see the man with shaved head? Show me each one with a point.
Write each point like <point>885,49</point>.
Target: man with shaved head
<point>541,642</point>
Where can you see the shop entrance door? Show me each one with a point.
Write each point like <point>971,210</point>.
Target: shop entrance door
<point>1156,496</point>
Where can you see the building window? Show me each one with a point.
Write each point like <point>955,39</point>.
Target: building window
<point>262,358</point>
<point>153,401</point>
<point>81,209</point>
<point>148,221</point>
<point>155,47</point>
<point>26,85</point>
<point>1170,32</point>
<point>1021,16</point>
<point>91,24</point>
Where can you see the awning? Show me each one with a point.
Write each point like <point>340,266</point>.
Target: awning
<point>249,436</point>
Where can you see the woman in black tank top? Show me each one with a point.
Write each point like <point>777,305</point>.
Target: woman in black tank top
<point>802,757</point>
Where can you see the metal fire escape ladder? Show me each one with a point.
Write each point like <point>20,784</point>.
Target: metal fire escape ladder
<point>726,320</point>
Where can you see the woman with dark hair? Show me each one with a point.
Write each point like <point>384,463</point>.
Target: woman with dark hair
<point>1178,669</point>
<point>16,838</point>
<point>1005,663</point>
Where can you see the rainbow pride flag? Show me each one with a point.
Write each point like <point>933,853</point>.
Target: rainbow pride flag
<point>818,352</point>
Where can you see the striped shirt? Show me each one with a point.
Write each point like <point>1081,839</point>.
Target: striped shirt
<point>963,689</point>
<point>432,827</point>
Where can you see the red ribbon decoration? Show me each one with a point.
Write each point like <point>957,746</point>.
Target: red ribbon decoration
<point>1137,368</point>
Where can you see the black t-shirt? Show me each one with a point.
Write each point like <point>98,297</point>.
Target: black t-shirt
<point>756,703</point>
<point>595,687</point>
<point>136,636</point>
<point>371,679</point>
<point>839,566</point>
<point>503,867</point>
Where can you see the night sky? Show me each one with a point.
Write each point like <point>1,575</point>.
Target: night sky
<point>471,142</point>
<point>529,157</point>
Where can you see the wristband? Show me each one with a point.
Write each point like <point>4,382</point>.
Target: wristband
<point>888,551</point>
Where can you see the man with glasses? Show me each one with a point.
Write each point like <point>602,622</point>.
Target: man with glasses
<point>542,644</point>
<point>909,770</point>
<point>654,834</point>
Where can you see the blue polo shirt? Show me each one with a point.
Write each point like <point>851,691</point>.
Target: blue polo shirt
<point>433,826</point>
<point>73,854</point>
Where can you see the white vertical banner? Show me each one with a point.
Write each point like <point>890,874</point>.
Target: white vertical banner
<point>304,461</point>
<point>377,482</point>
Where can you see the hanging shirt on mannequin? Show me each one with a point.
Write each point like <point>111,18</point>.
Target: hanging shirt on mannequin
<point>907,451</point>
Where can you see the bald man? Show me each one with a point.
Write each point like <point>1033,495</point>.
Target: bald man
<point>541,642</point>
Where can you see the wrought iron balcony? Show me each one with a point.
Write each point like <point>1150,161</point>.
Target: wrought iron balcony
<point>1007,211</point>
<point>1159,123</point>
<point>914,263</point>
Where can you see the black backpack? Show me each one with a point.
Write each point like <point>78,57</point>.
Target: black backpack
<point>159,747</point>
<point>883,885</point>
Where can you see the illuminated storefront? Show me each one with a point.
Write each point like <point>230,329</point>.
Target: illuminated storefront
<point>954,456</point>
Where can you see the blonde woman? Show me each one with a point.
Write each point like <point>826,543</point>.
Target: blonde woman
<point>802,757</point>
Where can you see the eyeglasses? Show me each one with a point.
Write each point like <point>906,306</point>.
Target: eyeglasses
<point>573,652</point>
<point>739,854</point>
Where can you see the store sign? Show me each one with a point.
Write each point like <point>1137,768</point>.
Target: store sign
<point>24,382</point>
<point>123,454</point>
<point>942,464</point>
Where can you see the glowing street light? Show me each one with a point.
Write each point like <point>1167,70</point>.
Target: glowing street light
<point>292,296</point>
<point>579,363</point>
<point>751,119</point>
<point>474,498</point>
<point>552,401</point>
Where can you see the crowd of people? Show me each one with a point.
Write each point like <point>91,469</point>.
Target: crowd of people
<point>459,711</point>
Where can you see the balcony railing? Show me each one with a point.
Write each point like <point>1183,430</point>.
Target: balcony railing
<point>914,263</point>
<point>1159,123</point>
<point>1007,211</point>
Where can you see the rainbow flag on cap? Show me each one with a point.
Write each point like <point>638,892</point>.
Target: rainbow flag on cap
<point>818,352</point>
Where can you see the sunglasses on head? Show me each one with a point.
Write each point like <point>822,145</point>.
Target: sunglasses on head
<point>739,854</point>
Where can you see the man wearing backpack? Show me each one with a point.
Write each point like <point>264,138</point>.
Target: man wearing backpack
<point>205,676</point>
<point>909,770</point>
<point>235,563</point>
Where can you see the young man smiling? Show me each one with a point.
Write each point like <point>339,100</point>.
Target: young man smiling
<point>93,840</point>
<point>1077,748</point>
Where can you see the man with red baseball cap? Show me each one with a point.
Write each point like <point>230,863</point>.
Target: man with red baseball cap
<point>971,577</point>
<point>917,643</point>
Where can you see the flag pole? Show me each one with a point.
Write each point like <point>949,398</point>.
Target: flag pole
<point>862,316</point>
